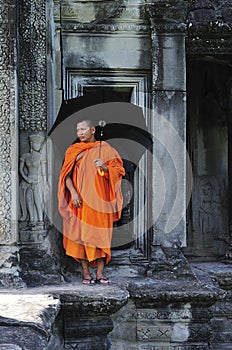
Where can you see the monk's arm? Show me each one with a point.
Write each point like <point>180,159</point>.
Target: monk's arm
<point>99,163</point>
<point>69,184</point>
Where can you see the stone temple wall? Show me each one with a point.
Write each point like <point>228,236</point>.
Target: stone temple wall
<point>169,304</point>
<point>8,142</point>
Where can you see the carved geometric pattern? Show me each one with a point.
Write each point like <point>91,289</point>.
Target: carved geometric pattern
<point>145,333</point>
<point>32,65</point>
<point>7,117</point>
<point>117,27</point>
<point>152,315</point>
<point>159,324</point>
<point>84,344</point>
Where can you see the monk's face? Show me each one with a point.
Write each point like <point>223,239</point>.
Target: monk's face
<point>84,132</point>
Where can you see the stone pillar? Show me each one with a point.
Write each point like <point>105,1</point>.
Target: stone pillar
<point>8,145</point>
<point>86,313</point>
<point>36,258</point>
<point>169,125</point>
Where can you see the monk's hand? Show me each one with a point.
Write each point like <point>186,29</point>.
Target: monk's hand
<point>76,199</point>
<point>100,164</point>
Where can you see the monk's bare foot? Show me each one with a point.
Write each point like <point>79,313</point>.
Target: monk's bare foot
<point>88,281</point>
<point>87,278</point>
<point>102,279</point>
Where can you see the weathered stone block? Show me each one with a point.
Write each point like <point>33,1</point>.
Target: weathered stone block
<point>169,73</point>
<point>42,265</point>
<point>86,314</point>
<point>200,332</point>
<point>105,51</point>
<point>26,321</point>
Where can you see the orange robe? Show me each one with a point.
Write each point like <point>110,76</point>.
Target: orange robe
<point>87,230</point>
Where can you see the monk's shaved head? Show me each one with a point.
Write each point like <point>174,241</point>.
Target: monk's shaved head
<point>90,122</point>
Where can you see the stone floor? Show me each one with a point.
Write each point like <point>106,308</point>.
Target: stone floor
<point>29,314</point>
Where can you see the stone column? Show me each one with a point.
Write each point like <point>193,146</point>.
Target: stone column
<point>169,125</point>
<point>36,258</point>
<point>86,314</point>
<point>8,145</point>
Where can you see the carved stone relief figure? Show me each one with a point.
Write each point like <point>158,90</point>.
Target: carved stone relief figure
<point>213,206</point>
<point>207,207</point>
<point>33,187</point>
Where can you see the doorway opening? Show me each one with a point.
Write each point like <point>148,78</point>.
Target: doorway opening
<point>209,128</point>
<point>133,87</point>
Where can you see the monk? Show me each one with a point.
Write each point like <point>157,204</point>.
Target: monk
<point>90,200</point>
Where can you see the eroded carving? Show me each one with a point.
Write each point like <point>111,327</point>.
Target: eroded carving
<point>116,27</point>
<point>87,12</point>
<point>101,16</point>
<point>167,16</point>
<point>6,122</point>
<point>212,207</point>
<point>32,65</point>
<point>209,27</point>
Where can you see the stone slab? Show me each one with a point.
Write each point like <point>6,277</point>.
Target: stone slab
<point>173,290</point>
<point>26,320</point>
<point>29,308</point>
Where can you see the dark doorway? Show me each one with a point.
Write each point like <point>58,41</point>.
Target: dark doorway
<point>118,240</point>
<point>209,115</point>
<point>122,94</point>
